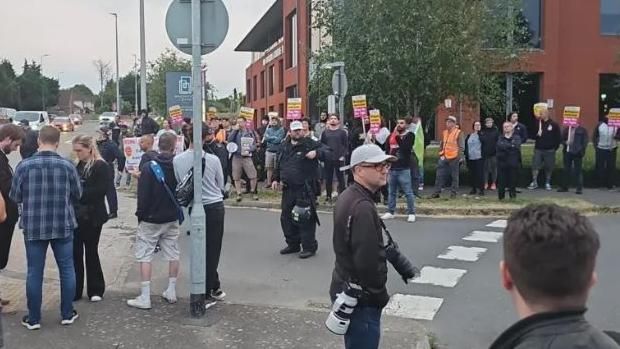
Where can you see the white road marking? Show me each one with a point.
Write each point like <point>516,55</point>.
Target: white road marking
<point>483,236</point>
<point>413,307</point>
<point>439,276</point>
<point>461,253</point>
<point>501,223</point>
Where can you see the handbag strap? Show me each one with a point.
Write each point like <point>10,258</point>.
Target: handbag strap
<point>160,177</point>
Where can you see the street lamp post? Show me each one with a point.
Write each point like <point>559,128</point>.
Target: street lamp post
<point>118,89</point>
<point>135,87</point>
<point>42,83</point>
<point>143,102</point>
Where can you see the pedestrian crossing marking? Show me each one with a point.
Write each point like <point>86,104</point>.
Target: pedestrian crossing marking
<point>413,307</point>
<point>500,223</point>
<point>461,253</point>
<point>439,276</point>
<point>483,236</point>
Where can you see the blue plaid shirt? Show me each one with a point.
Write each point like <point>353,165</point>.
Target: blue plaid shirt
<point>47,186</point>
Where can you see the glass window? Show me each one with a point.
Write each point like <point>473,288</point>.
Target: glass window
<point>281,76</point>
<point>271,79</point>
<point>254,88</point>
<point>248,88</point>
<point>262,84</point>
<point>291,45</point>
<point>610,17</point>
<point>530,17</point>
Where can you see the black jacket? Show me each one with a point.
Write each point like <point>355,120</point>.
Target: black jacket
<point>488,138</point>
<point>154,203</point>
<point>551,136</point>
<point>521,130</point>
<point>558,330</point>
<point>91,210</point>
<point>293,168</point>
<point>509,151</point>
<point>30,144</point>
<point>218,150</point>
<point>6,178</point>
<point>109,151</point>
<point>148,126</point>
<point>580,141</point>
<point>403,152</point>
<point>359,247</point>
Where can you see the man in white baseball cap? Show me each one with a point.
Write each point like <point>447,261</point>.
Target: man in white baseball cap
<point>359,246</point>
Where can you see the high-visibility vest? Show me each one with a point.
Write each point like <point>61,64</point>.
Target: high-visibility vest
<point>450,144</point>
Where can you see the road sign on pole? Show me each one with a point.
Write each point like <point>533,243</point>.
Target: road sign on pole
<point>209,26</point>
<point>340,84</point>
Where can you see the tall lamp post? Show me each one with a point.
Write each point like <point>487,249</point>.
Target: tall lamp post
<point>42,83</point>
<point>135,87</point>
<point>143,102</point>
<point>118,89</point>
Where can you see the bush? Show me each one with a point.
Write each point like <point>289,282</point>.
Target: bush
<point>525,173</point>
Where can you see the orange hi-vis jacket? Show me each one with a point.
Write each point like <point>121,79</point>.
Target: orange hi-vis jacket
<point>450,144</point>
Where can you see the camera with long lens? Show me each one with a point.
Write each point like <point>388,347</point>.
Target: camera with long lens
<point>339,318</point>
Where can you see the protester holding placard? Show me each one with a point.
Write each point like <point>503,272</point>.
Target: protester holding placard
<point>605,141</point>
<point>548,139</point>
<point>246,141</point>
<point>575,141</point>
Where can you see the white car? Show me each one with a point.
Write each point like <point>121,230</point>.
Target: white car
<point>36,119</point>
<point>107,117</point>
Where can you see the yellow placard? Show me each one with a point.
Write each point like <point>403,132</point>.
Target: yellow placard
<point>293,108</point>
<point>360,106</point>
<point>540,108</point>
<point>247,113</point>
<point>614,117</point>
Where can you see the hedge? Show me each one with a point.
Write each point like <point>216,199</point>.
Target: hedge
<point>525,173</point>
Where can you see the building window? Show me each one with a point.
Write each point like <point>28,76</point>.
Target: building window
<point>610,17</point>
<point>609,97</point>
<point>262,113</point>
<point>271,79</point>
<point>281,76</point>
<point>248,88</point>
<point>271,108</point>
<point>291,42</point>
<point>291,92</point>
<point>262,84</point>
<point>281,110</point>
<point>254,88</point>
<point>531,20</point>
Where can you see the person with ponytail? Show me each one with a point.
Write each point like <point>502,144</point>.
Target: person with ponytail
<point>91,214</point>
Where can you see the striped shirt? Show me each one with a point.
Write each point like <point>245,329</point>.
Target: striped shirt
<point>47,186</point>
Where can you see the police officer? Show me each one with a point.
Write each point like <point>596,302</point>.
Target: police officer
<point>358,245</point>
<point>296,171</point>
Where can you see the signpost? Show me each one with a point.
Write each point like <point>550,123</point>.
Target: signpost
<point>614,117</point>
<point>179,91</point>
<point>293,109</point>
<point>197,27</point>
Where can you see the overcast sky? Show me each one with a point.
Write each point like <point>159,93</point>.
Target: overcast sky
<point>76,32</point>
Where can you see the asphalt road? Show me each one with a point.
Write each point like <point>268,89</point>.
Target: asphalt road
<point>468,307</point>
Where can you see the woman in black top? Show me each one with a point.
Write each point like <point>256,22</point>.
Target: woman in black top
<point>91,214</point>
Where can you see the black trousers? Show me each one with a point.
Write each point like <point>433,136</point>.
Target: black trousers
<point>507,180</point>
<point>6,236</point>
<point>572,170</point>
<point>214,214</point>
<point>110,194</point>
<point>606,166</point>
<point>476,174</point>
<point>330,167</point>
<point>293,233</point>
<point>86,244</point>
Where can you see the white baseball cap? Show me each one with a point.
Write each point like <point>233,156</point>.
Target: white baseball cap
<point>370,154</point>
<point>296,125</point>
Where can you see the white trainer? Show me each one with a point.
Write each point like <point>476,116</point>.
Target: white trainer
<point>170,298</point>
<point>387,215</point>
<point>140,303</point>
<point>411,218</point>
<point>95,299</point>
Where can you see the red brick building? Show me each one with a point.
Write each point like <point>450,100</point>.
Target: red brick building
<point>279,43</point>
<point>575,57</point>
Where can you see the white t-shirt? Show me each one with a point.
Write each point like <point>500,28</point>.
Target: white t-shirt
<point>212,179</point>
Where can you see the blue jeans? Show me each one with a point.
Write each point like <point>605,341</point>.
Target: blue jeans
<point>35,255</point>
<point>402,179</point>
<point>365,329</point>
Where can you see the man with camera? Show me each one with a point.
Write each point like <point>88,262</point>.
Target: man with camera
<point>296,170</point>
<point>361,252</point>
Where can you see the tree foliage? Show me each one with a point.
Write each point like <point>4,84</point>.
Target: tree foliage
<point>168,61</point>
<point>408,55</point>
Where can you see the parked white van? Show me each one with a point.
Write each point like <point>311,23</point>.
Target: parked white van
<point>36,119</point>
<point>7,115</point>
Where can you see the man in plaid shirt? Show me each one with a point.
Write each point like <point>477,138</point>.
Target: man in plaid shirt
<point>47,186</point>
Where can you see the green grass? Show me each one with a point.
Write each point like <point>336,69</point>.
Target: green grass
<point>527,152</point>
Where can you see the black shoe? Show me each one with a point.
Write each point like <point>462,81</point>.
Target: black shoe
<point>306,254</point>
<point>481,193</point>
<point>563,190</point>
<point>579,192</point>
<point>30,325</point>
<point>435,196</point>
<point>452,195</point>
<point>290,250</point>
<point>113,215</point>
<point>472,192</point>
<point>71,320</point>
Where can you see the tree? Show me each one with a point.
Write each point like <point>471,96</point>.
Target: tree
<point>166,62</point>
<point>31,85</point>
<point>408,55</point>
<point>104,71</point>
<point>128,92</point>
<point>9,95</point>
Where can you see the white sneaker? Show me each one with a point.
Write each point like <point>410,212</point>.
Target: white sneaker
<point>218,295</point>
<point>170,298</point>
<point>421,188</point>
<point>140,303</point>
<point>96,299</point>
<point>387,215</point>
<point>209,302</point>
<point>411,218</point>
